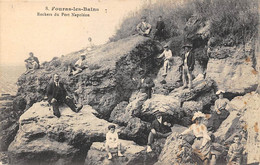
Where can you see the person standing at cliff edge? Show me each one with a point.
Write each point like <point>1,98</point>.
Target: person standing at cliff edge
<point>57,95</point>
<point>188,62</point>
<point>145,84</point>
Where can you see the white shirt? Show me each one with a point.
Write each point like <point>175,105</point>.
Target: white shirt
<point>79,63</point>
<point>167,54</point>
<point>186,58</point>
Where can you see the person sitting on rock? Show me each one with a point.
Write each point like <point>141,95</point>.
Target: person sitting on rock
<point>160,29</point>
<point>144,28</point>
<point>202,143</point>
<point>236,152</point>
<point>167,54</point>
<point>188,62</point>
<point>112,142</point>
<point>159,129</point>
<point>32,63</point>
<point>57,95</point>
<point>145,84</point>
<point>220,112</point>
<point>78,67</point>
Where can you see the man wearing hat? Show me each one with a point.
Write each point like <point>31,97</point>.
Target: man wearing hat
<point>144,28</point>
<point>167,54</point>
<point>78,67</point>
<point>159,129</point>
<point>188,62</point>
<point>145,84</point>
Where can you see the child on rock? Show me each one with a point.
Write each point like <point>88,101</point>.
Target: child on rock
<point>112,142</point>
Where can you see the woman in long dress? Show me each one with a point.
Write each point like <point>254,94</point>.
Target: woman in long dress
<point>202,143</point>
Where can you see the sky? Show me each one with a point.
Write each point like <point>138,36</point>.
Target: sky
<point>22,31</point>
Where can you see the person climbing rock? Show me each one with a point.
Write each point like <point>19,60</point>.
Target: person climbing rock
<point>159,129</point>
<point>167,54</point>
<point>202,143</point>
<point>145,84</point>
<point>188,62</point>
<point>32,63</point>
<point>159,30</point>
<point>78,67</point>
<point>144,28</point>
<point>57,95</point>
<point>236,152</point>
<point>112,142</point>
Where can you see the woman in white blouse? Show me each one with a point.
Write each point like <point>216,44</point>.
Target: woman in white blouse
<point>202,143</point>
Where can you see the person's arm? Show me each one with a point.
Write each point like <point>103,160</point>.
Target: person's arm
<point>161,55</point>
<point>187,131</point>
<point>149,26</point>
<point>36,60</point>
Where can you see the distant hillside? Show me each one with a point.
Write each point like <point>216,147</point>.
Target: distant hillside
<point>232,21</point>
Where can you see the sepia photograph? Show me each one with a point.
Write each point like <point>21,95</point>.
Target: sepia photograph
<point>129,82</point>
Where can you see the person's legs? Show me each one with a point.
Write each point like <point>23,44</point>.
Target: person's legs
<point>165,67</point>
<point>119,150</point>
<point>108,152</point>
<point>190,79</point>
<point>184,77</point>
<point>70,104</point>
<point>55,108</point>
<point>150,141</point>
<point>149,93</point>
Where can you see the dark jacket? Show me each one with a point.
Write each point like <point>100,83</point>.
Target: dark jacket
<point>160,25</point>
<point>160,127</point>
<point>57,92</point>
<point>190,60</point>
<point>146,85</point>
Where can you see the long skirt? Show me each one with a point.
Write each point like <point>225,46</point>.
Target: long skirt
<point>216,119</point>
<point>204,152</point>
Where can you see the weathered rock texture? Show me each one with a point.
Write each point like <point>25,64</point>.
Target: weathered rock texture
<point>106,82</point>
<point>232,68</point>
<point>44,137</point>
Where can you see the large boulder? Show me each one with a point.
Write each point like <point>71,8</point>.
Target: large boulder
<point>232,68</point>
<point>97,154</point>
<point>175,150</point>
<point>42,137</point>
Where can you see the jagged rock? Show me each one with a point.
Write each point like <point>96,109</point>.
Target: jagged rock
<point>97,154</point>
<point>232,69</point>
<point>200,87</point>
<point>135,103</point>
<point>176,151</point>
<point>65,139</point>
<point>106,82</point>
<point>190,107</point>
<point>168,105</point>
<point>228,127</point>
<point>135,129</point>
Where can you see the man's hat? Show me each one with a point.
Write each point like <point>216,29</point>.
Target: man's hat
<point>187,45</point>
<point>219,91</point>
<point>83,56</point>
<point>166,46</point>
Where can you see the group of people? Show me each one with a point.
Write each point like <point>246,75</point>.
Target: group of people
<point>144,29</point>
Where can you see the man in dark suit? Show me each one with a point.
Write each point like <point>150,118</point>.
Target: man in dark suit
<point>145,84</point>
<point>188,62</point>
<point>57,95</point>
<point>160,29</point>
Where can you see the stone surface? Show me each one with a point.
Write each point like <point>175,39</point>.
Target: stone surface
<point>176,151</point>
<point>232,69</point>
<point>189,107</point>
<point>65,139</point>
<point>97,154</point>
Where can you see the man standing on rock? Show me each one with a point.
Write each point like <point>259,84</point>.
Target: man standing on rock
<point>144,28</point>
<point>159,129</point>
<point>167,54</point>
<point>188,62</point>
<point>145,84</point>
<point>57,95</point>
<point>160,29</point>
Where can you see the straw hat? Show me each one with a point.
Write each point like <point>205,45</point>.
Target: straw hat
<point>198,115</point>
<point>219,91</point>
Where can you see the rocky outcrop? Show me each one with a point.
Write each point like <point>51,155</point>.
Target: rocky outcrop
<point>106,82</point>
<point>44,137</point>
<point>232,68</point>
